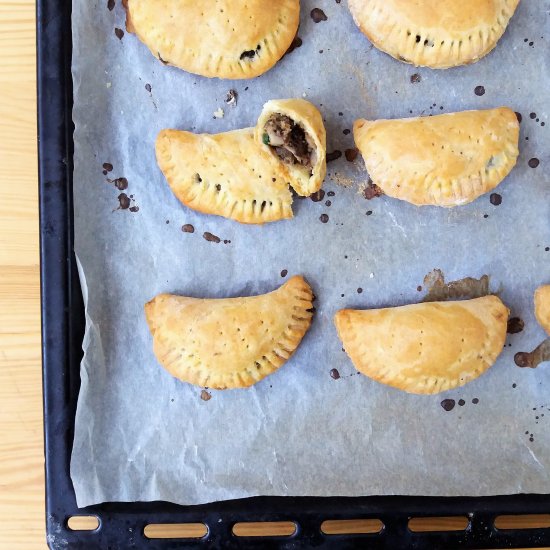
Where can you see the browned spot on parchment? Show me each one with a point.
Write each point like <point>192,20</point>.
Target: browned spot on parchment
<point>439,290</point>
<point>532,360</point>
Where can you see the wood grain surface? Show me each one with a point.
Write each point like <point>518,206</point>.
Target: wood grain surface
<point>21,440</point>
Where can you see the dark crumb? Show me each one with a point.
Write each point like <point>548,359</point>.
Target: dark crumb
<point>148,87</point>
<point>519,117</point>
<point>475,400</point>
<point>419,288</point>
<point>205,396</point>
<point>119,33</point>
<point>532,116</point>
<point>328,203</point>
<point>495,199</point>
<point>211,238</point>
<point>123,201</point>
<point>351,154</point>
<point>331,194</point>
<point>107,166</point>
<point>188,228</point>
<point>318,196</point>
<point>346,132</point>
<point>415,78</point>
<point>324,218</point>
<point>231,98</point>
<point>515,325</point>
<point>296,43</point>
<point>479,91</point>
<point>533,163</point>
<point>359,290</point>
<point>485,216</point>
<point>372,191</point>
<point>335,155</point>
<point>334,374</point>
<point>448,404</point>
<point>369,212</point>
<point>461,402</point>
<point>284,273</point>
<point>318,15</point>
<point>110,5</point>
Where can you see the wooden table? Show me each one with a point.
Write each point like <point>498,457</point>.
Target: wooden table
<point>21,439</point>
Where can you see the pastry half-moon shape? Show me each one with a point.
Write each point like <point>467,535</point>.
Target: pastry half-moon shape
<point>434,33</point>
<point>542,307</point>
<point>293,131</point>
<point>425,348</point>
<point>444,160</point>
<point>233,342</point>
<point>225,174</point>
<point>222,38</point>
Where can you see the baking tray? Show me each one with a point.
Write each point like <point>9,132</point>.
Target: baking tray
<point>121,525</point>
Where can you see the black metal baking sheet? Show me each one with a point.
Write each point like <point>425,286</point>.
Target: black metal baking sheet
<point>122,524</point>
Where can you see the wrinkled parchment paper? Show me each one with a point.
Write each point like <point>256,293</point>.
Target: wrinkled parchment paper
<point>141,435</point>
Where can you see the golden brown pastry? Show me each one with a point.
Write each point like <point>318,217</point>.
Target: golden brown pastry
<point>425,348</point>
<point>219,38</point>
<point>542,307</point>
<point>233,342</point>
<point>434,33</point>
<point>236,175</point>
<point>293,131</point>
<point>445,160</point>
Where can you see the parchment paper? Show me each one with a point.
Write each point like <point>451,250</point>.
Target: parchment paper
<point>141,435</point>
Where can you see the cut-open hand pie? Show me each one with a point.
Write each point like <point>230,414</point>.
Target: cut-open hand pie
<point>293,131</point>
<point>235,175</point>
<point>425,348</point>
<point>434,33</point>
<point>444,160</point>
<point>224,39</point>
<point>233,342</point>
<point>542,307</point>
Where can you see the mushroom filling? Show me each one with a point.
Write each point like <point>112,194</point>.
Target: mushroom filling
<point>290,141</point>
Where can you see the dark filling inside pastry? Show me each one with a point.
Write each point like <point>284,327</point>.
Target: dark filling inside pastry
<point>289,141</point>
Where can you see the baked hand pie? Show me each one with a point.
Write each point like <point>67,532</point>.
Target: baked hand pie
<point>233,342</point>
<point>237,176</point>
<point>293,131</point>
<point>542,307</point>
<point>223,39</point>
<point>444,160</point>
<point>434,33</point>
<point>425,348</point>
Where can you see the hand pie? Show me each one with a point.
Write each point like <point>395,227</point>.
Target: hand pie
<point>237,176</point>
<point>542,307</point>
<point>233,342</point>
<point>293,131</point>
<point>225,174</point>
<point>434,33</point>
<point>425,348</point>
<point>444,160</point>
<point>221,39</point>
